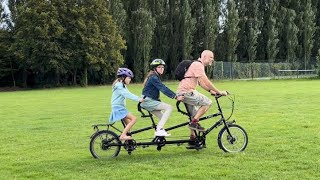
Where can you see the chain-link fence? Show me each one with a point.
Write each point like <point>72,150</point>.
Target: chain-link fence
<point>237,70</point>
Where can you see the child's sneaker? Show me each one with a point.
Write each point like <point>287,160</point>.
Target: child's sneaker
<point>161,132</point>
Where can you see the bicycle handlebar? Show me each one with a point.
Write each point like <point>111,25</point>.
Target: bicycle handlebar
<point>179,110</point>
<point>140,110</point>
<point>139,106</point>
<point>217,96</point>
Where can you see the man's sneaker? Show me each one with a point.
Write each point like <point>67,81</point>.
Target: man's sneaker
<point>161,132</point>
<point>197,127</point>
<point>191,143</point>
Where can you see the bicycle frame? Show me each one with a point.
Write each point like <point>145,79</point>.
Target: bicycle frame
<point>161,141</point>
<point>219,113</point>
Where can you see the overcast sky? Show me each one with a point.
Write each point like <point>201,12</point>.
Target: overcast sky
<point>4,4</point>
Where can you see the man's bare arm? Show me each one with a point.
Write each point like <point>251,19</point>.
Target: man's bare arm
<point>206,84</point>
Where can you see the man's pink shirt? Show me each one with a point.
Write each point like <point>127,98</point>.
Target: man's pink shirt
<point>186,85</point>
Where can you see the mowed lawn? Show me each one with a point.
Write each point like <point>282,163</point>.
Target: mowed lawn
<point>45,134</point>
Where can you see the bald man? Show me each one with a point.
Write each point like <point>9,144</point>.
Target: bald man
<point>192,98</point>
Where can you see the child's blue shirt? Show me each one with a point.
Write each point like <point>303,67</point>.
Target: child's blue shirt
<point>120,93</point>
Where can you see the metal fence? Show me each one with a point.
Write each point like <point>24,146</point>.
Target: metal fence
<point>237,70</point>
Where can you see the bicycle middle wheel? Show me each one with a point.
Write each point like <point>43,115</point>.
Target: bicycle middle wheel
<point>236,141</point>
<point>105,144</point>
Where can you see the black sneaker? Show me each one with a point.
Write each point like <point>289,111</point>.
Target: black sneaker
<point>192,145</point>
<point>197,127</point>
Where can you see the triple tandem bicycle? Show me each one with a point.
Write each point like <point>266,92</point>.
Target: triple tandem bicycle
<point>231,138</point>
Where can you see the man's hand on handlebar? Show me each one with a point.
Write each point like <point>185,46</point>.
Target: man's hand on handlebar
<point>221,93</point>
<point>180,97</point>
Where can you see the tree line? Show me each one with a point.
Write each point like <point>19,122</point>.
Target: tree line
<point>74,42</point>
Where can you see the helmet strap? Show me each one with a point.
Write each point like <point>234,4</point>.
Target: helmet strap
<point>124,79</point>
<point>155,70</point>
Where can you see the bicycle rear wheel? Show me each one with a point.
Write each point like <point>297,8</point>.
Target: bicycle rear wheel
<point>105,144</point>
<point>235,141</point>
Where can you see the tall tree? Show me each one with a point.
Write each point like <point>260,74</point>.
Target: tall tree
<point>253,24</point>
<point>298,7</point>
<point>8,64</point>
<point>102,41</point>
<point>197,10</point>
<point>1,12</point>
<point>316,46</point>
<point>2,45</point>
<point>34,40</point>
<point>174,36</point>
<point>91,39</point>
<point>47,58</point>
<point>291,35</point>
<point>211,27</point>
<point>4,65</point>
<point>221,43</point>
<point>318,63</point>
<point>309,29</point>
<point>289,47</point>
<point>187,29</point>
<point>243,8</point>
<point>262,31</point>
<point>232,31</point>
<point>71,41</point>
<point>13,25</point>
<point>161,40</point>
<point>272,31</point>
<point>65,37</point>
<point>211,23</point>
<point>119,15</point>
<point>141,21</point>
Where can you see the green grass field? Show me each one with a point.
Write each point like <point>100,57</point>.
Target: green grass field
<point>45,134</point>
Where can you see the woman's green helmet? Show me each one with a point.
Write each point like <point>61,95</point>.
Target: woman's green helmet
<point>157,62</point>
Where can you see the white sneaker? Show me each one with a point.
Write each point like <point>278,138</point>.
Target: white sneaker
<point>161,132</point>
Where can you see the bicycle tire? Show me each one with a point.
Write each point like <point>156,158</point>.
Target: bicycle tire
<point>237,143</point>
<point>104,144</point>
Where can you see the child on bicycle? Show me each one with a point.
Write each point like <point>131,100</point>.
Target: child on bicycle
<point>151,94</point>
<point>119,94</point>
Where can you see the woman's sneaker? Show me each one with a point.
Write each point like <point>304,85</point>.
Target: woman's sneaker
<point>161,132</point>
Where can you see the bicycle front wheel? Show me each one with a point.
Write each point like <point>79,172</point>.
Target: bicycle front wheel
<point>236,140</point>
<point>105,144</point>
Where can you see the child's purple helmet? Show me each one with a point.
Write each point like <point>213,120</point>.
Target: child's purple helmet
<point>125,72</point>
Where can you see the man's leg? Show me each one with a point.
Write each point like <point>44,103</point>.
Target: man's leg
<point>192,112</point>
<point>197,99</point>
<point>201,111</point>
